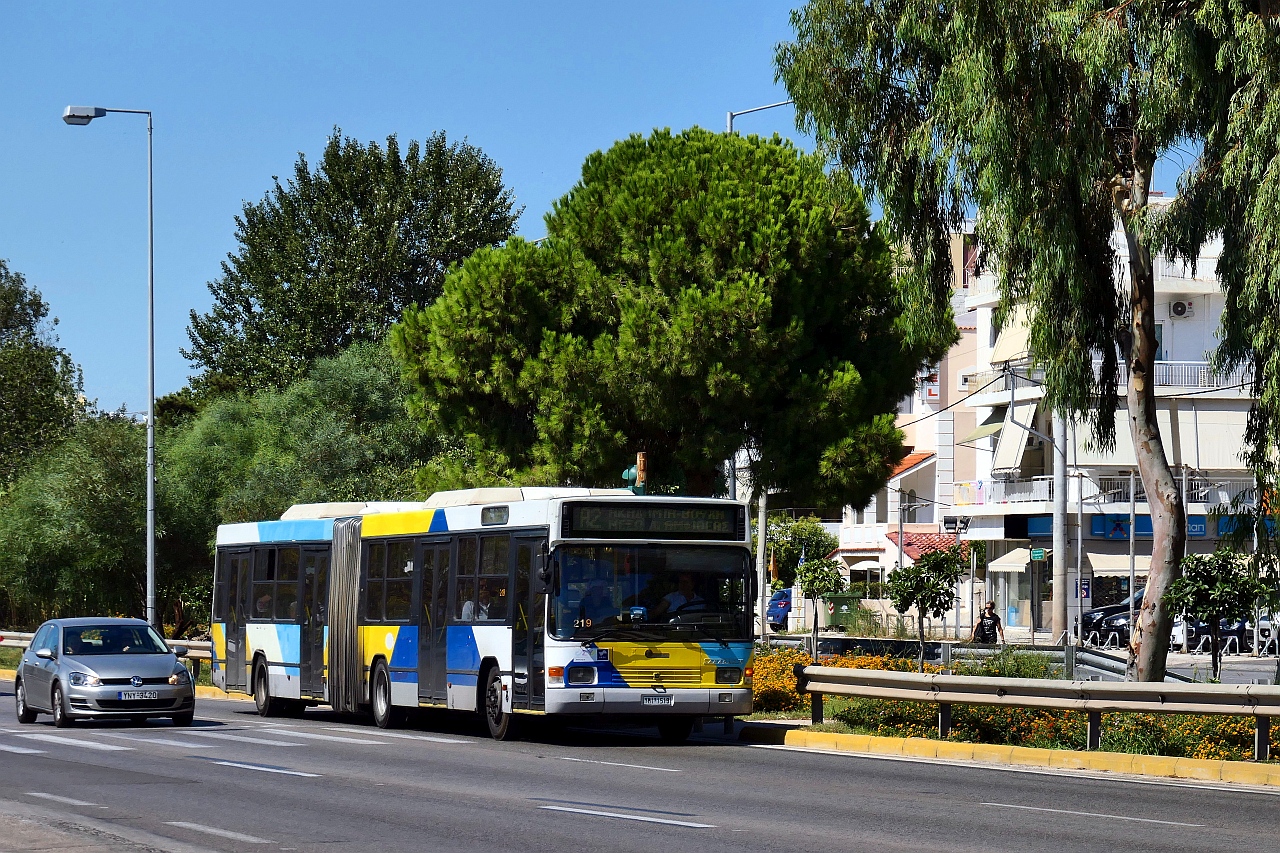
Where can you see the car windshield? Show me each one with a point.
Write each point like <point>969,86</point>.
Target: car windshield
<point>112,640</point>
<point>651,592</point>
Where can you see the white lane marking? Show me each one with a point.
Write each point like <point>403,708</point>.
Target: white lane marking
<point>430,738</point>
<point>335,738</point>
<point>620,764</point>
<point>262,741</point>
<point>64,800</point>
<point>1092,814</point>
<point>70,741</point>
<point>640,818</point>
<point>161,741</point>
<point>20,750</point>
<point>1091,775</point>
<point>267,769</point>
<point>221,833</point>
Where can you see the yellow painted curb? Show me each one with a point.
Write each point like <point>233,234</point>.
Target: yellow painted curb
<point>1242,772</point>
<point>8,674</point>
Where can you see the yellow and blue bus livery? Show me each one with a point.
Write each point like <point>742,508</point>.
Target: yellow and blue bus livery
<point>500,601</point>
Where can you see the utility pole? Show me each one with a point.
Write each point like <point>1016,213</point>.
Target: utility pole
<point>762,521</point>
<point>1131,670</point>
<point>1060,626</point>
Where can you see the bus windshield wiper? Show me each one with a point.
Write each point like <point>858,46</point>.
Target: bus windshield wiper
<point>615,633</point>
<point>701,630</point>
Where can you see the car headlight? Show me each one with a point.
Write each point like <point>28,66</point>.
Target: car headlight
<point>84,679</point>
<point>180,675</point>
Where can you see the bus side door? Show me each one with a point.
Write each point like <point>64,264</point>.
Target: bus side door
<point>528,657</point>
<point>239,570</point>
<point>434,605</point>
<point>315,619</point>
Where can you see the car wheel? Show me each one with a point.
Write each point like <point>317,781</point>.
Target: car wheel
<point>675,729</point>
<point>385,715</point>
<point>61,718</point>
<point>497,719</point>
<point>184,720</point>
<point>25,713</point>
<point>268,705</point>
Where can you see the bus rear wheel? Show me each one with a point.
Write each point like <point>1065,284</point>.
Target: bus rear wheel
<point>385,715</point>
<point>498,720</point>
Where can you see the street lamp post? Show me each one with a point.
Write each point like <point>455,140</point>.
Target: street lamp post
<point>82,116</point>
<point>731,115</point>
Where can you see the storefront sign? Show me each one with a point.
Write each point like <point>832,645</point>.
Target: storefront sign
<point>1117,526</point>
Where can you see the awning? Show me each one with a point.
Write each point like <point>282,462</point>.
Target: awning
<point>1116,565</point>
<point>1016,560</point>
<point>991,426</point>
<point>1012,345</point>
<point>864,566</point>
<point>1013,439</point>
<point>1201,434</point>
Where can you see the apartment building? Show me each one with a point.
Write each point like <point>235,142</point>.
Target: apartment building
<point>982,455</point>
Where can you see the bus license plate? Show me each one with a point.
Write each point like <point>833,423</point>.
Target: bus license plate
<point>139,694</point>
<point>658,700</point>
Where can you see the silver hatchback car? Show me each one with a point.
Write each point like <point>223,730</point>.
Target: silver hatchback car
<point>82,668</point>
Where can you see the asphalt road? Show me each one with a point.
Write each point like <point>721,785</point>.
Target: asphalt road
<point>237,782</point>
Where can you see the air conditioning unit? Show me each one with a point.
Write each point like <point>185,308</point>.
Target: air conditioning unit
<point>1181,309</point>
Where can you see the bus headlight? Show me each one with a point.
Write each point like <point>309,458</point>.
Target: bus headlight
<point>728,675</point>
<point>581,675</point>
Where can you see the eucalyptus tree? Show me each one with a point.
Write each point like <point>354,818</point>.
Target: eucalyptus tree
<point>1047,119</point>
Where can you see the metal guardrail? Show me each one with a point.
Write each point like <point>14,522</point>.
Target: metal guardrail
<point>196,649</point>
<point>1093,697</point>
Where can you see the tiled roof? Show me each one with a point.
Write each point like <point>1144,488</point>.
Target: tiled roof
<point>915,544</point>
<point>911,461</point>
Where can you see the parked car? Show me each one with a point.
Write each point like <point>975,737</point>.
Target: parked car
<point>1092,620</point>
<point>778,609</point>
<point>82,668</point>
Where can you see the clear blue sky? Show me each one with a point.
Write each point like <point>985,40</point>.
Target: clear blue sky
<point>238,89</point>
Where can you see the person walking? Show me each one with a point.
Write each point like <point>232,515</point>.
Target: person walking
<point>988,626</point>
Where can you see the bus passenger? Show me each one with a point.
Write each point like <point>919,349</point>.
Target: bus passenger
<point>478,611</point>
<point>597,604</point>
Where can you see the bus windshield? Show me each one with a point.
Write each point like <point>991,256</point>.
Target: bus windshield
<point>666,592</point>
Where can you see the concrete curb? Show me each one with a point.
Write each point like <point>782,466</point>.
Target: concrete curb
<point>202,692</point>
<point>1200,770</point>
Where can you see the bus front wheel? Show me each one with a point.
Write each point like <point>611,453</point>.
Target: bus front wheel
<point>498,720</point>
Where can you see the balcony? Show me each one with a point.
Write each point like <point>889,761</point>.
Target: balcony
<point>1104,490</point>
<point>1200,490</point>
<point>1169,374</point>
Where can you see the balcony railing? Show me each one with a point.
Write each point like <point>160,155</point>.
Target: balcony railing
<point>1169,374</point>
<point>1202,490</point>
<point>985,492</point>
<point>1109,490</point>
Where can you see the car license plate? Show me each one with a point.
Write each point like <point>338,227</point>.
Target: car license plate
<point>657,700</point>
<point>139,694</point>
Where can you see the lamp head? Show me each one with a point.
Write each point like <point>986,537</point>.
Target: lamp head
<point>82,115</point>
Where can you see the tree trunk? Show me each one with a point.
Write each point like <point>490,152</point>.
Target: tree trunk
<point>920,626</point>
<point>1149,637</point>
<point>1215,651</point>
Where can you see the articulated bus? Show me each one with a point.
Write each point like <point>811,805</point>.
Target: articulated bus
<point>504,602</point>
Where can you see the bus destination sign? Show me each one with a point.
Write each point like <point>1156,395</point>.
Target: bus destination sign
<point>653,521</point>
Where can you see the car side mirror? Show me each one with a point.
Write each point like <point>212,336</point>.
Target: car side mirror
<point>180,651</point>
<point>44,654</point>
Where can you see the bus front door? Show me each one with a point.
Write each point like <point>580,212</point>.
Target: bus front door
<point>315,617</point>
<point>240,568</point>
<point>434,598</point>
<point>528,659</point>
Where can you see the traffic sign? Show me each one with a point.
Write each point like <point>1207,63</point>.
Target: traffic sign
<point>1037,554</point>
